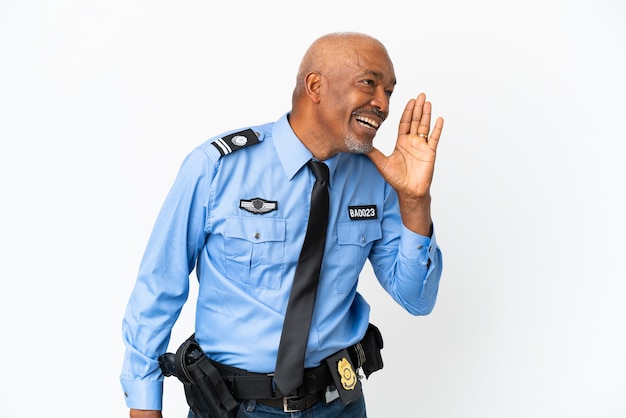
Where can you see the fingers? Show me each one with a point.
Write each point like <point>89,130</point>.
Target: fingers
<point>433,139</point>
<point>406,118</point>
<point>416,119</point>
<point>420,119</point>
<point>412,115</point>
<point>423,125</point>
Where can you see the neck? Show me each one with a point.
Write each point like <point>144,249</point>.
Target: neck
<point>309,134</point>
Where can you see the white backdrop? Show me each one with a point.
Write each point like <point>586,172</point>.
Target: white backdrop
<point>100,101</point>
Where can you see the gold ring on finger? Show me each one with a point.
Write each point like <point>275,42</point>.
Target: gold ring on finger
<point>423,136</point>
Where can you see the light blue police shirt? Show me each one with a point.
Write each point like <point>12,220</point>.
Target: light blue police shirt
<point>245,261</point>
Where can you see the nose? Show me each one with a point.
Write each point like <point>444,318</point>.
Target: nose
<point>380,100</point>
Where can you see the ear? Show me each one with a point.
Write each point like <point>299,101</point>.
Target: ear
<point>313,85</point>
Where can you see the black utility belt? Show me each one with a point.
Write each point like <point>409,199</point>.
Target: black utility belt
<point>246,385</point>
<point>213,389</point>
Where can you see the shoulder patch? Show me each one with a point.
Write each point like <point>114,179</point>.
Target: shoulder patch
<point>236,141</point>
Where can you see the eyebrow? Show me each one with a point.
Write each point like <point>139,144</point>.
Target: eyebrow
<point>378,75</point>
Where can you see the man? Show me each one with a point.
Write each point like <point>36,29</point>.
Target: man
<point>238,212</point>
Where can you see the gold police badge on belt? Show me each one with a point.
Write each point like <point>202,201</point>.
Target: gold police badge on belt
<point>348,377</point>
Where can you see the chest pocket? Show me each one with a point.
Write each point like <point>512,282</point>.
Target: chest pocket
<point>355,240</point>
<point>254,248</point>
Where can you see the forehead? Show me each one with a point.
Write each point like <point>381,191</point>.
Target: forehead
<point>366,59</point>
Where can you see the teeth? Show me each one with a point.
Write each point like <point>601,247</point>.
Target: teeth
<point>368,121</point>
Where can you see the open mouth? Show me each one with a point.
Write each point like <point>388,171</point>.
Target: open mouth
<point>367,122</point>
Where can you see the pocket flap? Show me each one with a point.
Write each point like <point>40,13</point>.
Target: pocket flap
<point>255,229</point>
<point>358,232</point>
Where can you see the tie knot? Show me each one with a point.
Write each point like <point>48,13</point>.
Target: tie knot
<point>320,170</point>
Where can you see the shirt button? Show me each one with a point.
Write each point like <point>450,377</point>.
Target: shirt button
<point>362,238</point>
<point>257,235</point>
<point>420,246</point>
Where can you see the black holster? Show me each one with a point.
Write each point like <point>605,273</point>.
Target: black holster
<point>205,390</point>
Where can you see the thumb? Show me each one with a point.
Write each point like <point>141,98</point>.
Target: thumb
<point>378,158</point>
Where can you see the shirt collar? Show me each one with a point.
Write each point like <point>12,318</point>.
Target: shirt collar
<point>291,151</point>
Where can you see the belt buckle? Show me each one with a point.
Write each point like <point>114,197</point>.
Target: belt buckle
<point>286,400</point>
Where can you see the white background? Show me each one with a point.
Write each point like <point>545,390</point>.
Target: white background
<point>100,101</point>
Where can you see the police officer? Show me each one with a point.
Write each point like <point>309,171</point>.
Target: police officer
<point>237,213</point>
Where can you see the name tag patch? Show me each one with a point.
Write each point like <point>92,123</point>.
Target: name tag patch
<point>360,213</point>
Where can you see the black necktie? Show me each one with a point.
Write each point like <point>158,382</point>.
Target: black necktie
<point>289,372</point>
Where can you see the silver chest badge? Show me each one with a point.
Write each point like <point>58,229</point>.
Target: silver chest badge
<point>258,206</point>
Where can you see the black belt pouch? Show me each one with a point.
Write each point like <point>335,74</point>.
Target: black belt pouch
<point>372,343</point>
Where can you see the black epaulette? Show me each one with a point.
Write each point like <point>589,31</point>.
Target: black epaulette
<point>236,141</point>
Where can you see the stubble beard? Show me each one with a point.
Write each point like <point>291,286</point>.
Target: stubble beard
<point>357,146</point>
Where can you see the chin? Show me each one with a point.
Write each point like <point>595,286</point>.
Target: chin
<point>357,146</point>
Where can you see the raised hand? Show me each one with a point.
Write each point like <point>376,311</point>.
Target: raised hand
<point>410,167</point>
